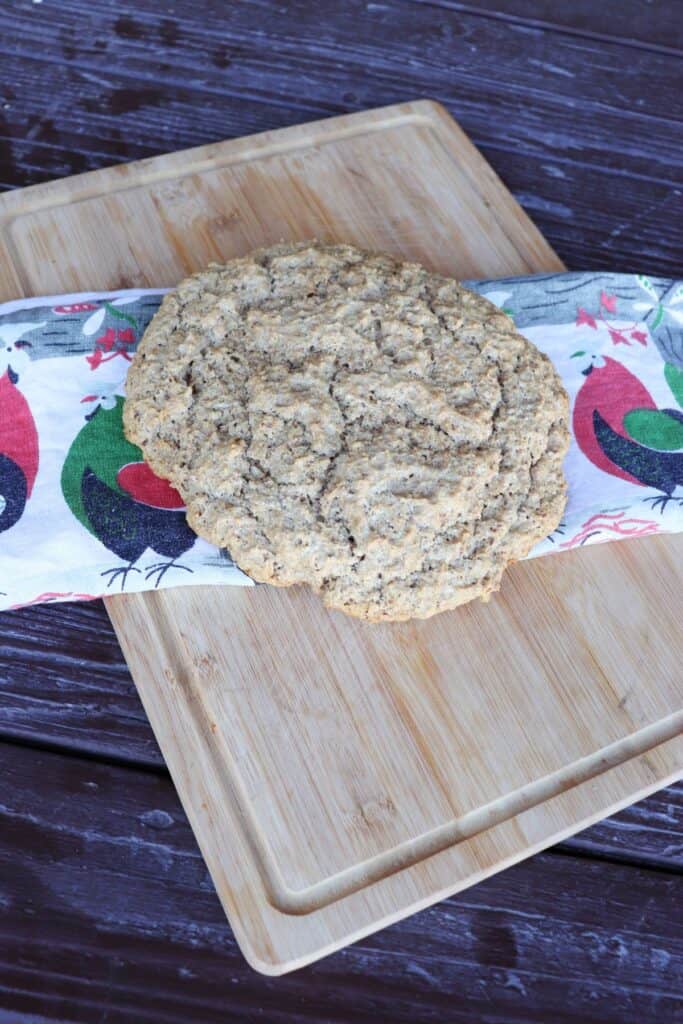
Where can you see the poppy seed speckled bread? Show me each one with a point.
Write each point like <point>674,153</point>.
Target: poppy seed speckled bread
<point>342,419</point>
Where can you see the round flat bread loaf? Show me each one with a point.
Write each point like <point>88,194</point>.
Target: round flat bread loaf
<point>342,419</point>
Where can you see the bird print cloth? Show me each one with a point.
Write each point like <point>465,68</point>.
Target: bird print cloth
<point>82,515</point>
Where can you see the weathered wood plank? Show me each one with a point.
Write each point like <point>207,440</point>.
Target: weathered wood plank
<point>588,141</point>
<point>64,683</point>
<point>648,833</point>
<point>107,913</point>
<point>634,22</point>
<point>263,59</point>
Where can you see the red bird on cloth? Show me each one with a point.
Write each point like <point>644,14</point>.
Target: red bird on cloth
<point>618,427</point>
<point>18,448</point>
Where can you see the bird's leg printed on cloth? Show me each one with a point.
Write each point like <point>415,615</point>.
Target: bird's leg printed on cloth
<point>119,572</point>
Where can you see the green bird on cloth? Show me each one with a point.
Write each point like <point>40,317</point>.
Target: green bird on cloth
<point>117,497</point>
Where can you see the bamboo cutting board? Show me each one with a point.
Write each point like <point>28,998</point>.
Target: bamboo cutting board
<point>340,775</point>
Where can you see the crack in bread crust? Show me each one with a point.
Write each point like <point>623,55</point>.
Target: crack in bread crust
<point>339,418</point>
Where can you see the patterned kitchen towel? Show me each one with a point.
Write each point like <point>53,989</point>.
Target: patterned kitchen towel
<point>81,515</point>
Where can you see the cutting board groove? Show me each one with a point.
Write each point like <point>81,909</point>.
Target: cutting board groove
<point>338,775</point>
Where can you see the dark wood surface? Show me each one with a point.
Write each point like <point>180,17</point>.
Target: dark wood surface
<point>106,910</point>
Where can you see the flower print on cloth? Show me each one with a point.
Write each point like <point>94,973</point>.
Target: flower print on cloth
<point>82,514</point>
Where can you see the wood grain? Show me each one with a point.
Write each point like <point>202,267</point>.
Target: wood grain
<point>372,743</point>
<point>638,24</point>
<point>108,914</point>
<point>584,128</point>
<point>64,684</point>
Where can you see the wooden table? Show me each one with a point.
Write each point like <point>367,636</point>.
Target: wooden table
<point>106,910</point>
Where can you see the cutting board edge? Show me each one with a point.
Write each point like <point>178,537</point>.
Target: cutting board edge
<point>185,163</point>
<point>281,967</point>
<point>247,146</point>
<point>278,965</point>
<point>475,823</point>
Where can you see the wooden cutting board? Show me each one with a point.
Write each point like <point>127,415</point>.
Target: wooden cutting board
<point>339,775</point>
